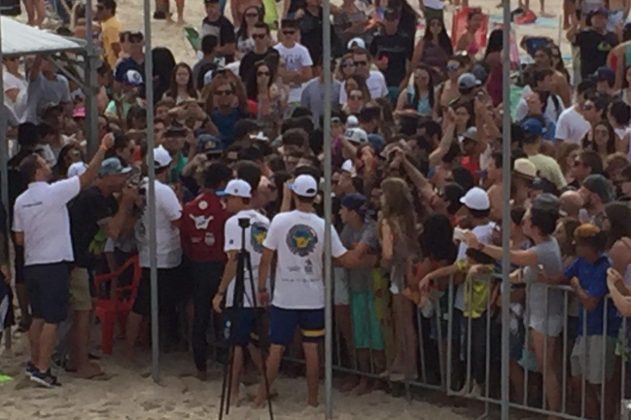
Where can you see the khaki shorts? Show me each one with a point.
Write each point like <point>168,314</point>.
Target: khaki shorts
<point>589,357</point>
<point>80,299</point>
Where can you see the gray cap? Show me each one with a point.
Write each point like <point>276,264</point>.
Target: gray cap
<point>113,166</point>
<point>546,202</point>
<point>468,81</point>
<point>600,186</point>
<point>471,133</point>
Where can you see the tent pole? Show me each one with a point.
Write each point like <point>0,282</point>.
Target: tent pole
<point>91,57</point>
<point>328,268</point>
<point>151,198</point>
<point>506,219</point>
<point>4,169</point>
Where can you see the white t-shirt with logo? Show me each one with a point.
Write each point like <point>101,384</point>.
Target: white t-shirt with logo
<point>254,236</point>
<point>298,239</point>
<point>295,58</point>
<point>168,210</point>
<point>571,126</point>
<point>41,213</point>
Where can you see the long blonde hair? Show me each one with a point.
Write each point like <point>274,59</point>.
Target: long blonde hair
<point>397,209</point>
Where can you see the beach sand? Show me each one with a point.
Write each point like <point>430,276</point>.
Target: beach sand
<point>132,394</point>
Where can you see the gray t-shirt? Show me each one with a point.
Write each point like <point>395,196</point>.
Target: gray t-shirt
<point>312,97</point>
<point>360,279</point>
<point>43,93</point>
<point>549,260</point>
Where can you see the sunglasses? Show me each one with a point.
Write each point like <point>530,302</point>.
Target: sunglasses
<point>223,93</point>
<point>361,63</point>
<point>258,36</point>
<point>288,32</point>
<point>263,73</point>
<point>578,163</point>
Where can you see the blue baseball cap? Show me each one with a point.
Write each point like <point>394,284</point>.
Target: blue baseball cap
<point>355,202</point>
<point>533,127</point>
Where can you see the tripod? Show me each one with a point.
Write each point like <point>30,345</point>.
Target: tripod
<point>243,263</point>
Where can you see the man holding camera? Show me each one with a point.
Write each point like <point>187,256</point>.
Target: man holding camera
<point>253,226</point>
<point>169,254</point>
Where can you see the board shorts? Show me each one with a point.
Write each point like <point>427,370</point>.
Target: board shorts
<point>283,324</point>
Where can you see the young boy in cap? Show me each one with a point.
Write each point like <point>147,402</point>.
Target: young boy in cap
<point>297,237</point>
<point>241,321</point>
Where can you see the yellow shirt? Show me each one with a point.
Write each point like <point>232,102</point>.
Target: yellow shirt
<point>110,30</point>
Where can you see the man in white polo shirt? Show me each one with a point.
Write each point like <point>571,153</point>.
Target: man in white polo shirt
<point>169,254</point>
<point>297,237</point>
<point>41,224</point>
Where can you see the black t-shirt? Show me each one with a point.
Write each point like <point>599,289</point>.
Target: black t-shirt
<point>595,48</point>
<point>398,49</point>
<point>311,35</point>
<point>223,30</point>
<point>246,67</point>
<point>87,210</point>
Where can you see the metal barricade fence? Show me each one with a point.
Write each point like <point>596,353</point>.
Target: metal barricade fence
<point>460,354</point>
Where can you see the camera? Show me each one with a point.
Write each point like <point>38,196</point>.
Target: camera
<point>244,222</point>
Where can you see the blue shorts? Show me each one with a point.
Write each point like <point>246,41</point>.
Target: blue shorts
<point>240,324</point>
<point>48,287</point>
<point>283,323</point>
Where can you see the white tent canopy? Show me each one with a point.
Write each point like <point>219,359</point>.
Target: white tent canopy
<point>19,38</point>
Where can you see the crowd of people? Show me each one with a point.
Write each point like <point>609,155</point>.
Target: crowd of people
<point>417,182</point>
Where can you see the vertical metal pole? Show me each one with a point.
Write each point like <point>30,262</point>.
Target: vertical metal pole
<point>91,57</point>
<point>151,201</point>
<point>506,225</point>
<point>4,161</point>
<point>328,310</point>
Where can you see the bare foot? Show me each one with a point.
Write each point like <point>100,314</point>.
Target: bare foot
<point>202,375</point>
<point>363,387</point>
<point>89,371</point>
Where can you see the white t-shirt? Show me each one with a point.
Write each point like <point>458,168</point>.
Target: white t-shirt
<point>376,83</point>
<point>298,239</point>
<point>168,210</point>
<point>552,111</point>
<point>295,58</point>
<point>254,237</point>
<point>43,93</point>
<point>41,213</point>
<point>484,234</point>
<point>571,126</point>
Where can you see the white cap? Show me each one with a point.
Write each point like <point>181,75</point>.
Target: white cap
<point>77,169</point>
<point>304,186</point>
<point>161,157</point>
<point>348,166</point>
<point>356,42</point>
<point>352,121</point>
<point>476,199</point>
<point>236,188</point>
<point>356,135</point>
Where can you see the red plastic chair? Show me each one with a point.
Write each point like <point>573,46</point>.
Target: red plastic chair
<point>109,310</point>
